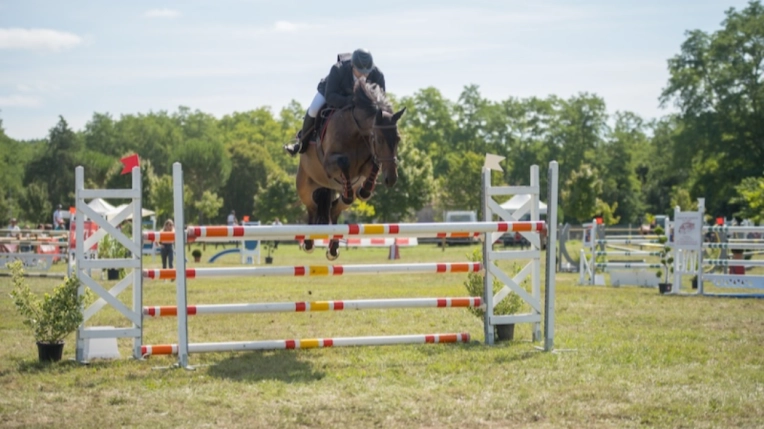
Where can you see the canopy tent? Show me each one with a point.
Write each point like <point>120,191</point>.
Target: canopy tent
<point>115,211</point>
<point>100,206</point>
<point>518,200</point>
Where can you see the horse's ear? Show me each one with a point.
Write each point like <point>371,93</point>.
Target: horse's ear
<point>398,114</point>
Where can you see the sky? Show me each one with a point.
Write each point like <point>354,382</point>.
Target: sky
<point>77,58</point>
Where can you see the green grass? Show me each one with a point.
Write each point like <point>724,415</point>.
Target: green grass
<point>631,358</point>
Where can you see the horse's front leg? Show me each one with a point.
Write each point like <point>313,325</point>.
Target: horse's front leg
<point>337,166</point>
<point>364,192</point>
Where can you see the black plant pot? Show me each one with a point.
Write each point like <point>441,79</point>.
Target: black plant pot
<point>269,259</point>
<point>664,287</point>
<point>49,352</point>
<point>112,274</point>
<point>505,332</point>
<point>695,282</point>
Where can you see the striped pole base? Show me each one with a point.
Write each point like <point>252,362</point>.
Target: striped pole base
<point>286,307</point>
<point>312,343</point>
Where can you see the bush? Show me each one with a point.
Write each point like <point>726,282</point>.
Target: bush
<point>53,317</point>
<point>196,253</point>
<point>474,284</point>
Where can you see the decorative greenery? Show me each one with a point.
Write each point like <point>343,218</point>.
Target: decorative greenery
<point>196,253</point>
<point>54,316</point>
<point>474,284</point>
<point>667,260</point>
<point>110,248</point>
<point>270,246</point>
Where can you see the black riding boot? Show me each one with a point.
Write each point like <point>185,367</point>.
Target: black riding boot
<point>303,137</point>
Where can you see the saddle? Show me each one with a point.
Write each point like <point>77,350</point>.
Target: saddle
<point>322,120</point>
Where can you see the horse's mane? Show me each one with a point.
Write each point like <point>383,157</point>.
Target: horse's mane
<point>369,97</point>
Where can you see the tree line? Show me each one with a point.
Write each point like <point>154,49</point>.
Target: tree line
<point>619,166</point>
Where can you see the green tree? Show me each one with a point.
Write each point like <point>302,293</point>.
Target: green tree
<point>618,162</point>
<point>208,206</point>
<point>580,194</point>
<point>460,187</point>
<point>413,190</point>
<point>206,165</point>
<point>716,82</point>
<point>750,197</point>
<point>251,165</point>
<point>36,203</point>
<point>279,200</point>
<point>55,165</point>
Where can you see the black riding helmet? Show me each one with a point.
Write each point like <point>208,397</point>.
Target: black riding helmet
<point>362,61</point>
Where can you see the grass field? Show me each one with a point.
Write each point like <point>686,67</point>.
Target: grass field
<point>627,357</point>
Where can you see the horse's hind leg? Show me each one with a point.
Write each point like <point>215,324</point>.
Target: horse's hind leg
<point>319,216</point>
<point>307,245</point>
<point>322,198</point>
<point>333,252</point>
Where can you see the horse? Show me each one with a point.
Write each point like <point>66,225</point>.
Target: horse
<point>360,140</point>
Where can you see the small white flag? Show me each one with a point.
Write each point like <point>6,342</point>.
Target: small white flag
<point>492,162</point>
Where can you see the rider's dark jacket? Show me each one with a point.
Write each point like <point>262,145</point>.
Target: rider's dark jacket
<point>338,86</point>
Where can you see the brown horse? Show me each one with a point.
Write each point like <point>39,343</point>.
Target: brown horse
<point>360,140</point>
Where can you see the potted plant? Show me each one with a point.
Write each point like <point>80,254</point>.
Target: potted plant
<point>510,305</point>
<point>270,247</point>
<point>197,254</point>
<point>110,248</point>
<point>667,261</point>
<point>52,317</point>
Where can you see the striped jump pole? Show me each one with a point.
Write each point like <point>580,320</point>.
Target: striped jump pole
<point>311,343</point>
<point>319,270</point>
<point>624,241</point>
<point>310,232</point>
<point>287,307</point>
<point>626,253</point>
<point>605,265</point>
<point>735,262</point>
<point>732,245</point>
<point>733,229</point>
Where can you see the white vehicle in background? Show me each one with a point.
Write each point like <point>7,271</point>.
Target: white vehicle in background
<point>460,216</point>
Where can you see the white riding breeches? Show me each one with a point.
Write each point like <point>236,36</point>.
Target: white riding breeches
<point>316,104</point>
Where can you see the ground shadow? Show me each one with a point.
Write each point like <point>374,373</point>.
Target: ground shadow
<point>30,366</point>
<point>281,365</point>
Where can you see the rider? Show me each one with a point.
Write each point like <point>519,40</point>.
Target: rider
<point>336,90</point>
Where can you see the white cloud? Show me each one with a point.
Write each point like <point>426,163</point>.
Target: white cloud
<point>37,39</point>
<point>161,13</point>
<point>19,101</point>
<point>285,27</point>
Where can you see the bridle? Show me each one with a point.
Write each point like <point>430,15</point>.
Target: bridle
<point>372,140</point>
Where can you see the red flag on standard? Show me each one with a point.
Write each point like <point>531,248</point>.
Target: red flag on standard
<point>129,162</point>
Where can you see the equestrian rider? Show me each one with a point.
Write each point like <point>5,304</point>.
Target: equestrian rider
<point>336,90</point>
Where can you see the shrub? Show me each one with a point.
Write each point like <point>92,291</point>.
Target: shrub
<point>55,315</point>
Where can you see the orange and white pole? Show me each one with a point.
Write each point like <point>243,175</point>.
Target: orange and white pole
<point>310,343</point>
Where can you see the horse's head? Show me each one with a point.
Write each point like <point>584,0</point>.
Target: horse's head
<point>384,138</point>
<point>384,144</point>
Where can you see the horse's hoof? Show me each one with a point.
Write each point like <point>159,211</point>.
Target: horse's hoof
<point>307,246</point>
<point>347,201</point>
<point>363,194</point>
<point>331,257</point>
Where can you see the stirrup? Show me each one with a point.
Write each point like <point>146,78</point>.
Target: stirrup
<point>293,148</point>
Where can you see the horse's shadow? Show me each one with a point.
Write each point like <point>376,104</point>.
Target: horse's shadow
<point>281,365</point>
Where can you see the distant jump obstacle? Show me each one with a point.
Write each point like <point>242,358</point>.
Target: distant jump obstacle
<point>489,229</point>
<point>689,246</point>
<point>597,246</point>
